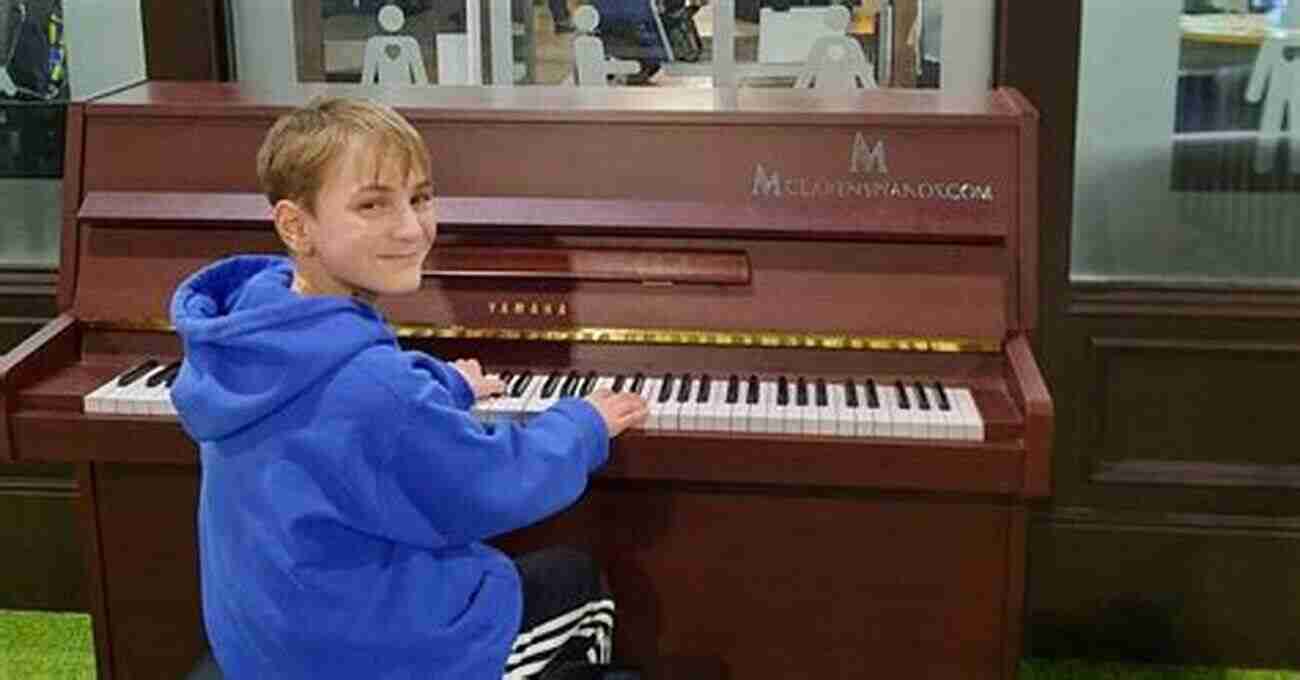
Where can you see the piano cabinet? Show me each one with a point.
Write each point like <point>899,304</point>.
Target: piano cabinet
<point>732,555</point>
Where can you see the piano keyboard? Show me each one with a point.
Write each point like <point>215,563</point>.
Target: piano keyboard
<point>142,390</point>
<point>786,405</point>
<point>677,402</point>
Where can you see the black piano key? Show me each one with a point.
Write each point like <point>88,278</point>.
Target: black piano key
<point>571,384</point>
<point>702,394</point>
<point>666,389</point>
<point>903,401</point>
<point>136,372</point>
<point>801,392</point>
<point>822,398</point>
<point>618,383</point>
<point>162,376</point>
<point>944,404</point>
<point>171,379</point>
<point>782,391</point>
<point>922,401</point>
<point>752,396</point>
<point>850,393</point>
<point>589,383</point>
<point>521,384</point>
<point>873,397</point>
<point>552,382</point>
<point>638,381</point>
<point>505,377</point>
<point>733,389</point>
<point>684,389</point>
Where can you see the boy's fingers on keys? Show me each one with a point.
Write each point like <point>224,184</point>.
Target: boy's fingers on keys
<point>629,402</point>
<point>638,415</point>
<point>629,408</point>
<point>491,386</point>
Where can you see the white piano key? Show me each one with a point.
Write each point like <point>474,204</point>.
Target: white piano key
<point>96,401</point>
<point>604,382</point>
<point>889,417</point>
<point>825,417</point>
<point>158,397</point>
<point>907,421</point>
<point>538,402</point>
<point>925,411</point>
<point>136,400</point>
<point>686,408</point>
<point>801,412</point>
<point>805,414</point>
<point>740,410</point>
<point>946,419</point>
<point>769,413</point>
<point>649,391</point>
<point>715,414</point>
<point>845,417</point>
<point>514,405</point>
<point>663,405</point>
<point>972,422</point>
<point>783,415</point>
<point>875,421</point>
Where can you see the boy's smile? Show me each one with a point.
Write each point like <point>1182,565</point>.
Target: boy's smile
<point>371,227</point>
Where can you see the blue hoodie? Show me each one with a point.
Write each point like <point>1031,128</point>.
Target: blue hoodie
<point>346,490</point>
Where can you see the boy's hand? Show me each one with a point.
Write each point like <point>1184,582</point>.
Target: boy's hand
<point>473,373</point>
<point>620,411</point>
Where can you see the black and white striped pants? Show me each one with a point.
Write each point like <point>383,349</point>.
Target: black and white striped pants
<point>568,615</point>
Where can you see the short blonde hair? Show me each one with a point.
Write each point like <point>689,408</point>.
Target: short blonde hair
<point>301,145</point>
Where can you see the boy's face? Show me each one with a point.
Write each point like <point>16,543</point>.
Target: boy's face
<point>371,230</point>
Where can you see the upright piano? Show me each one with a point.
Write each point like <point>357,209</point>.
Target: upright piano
<point>838,290</point>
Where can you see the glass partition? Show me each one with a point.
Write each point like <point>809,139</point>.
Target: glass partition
<point>50,53</point>
<point>1186,166</point>
<point>831,44</point>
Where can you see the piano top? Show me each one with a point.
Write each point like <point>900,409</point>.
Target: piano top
<point>574,104</point>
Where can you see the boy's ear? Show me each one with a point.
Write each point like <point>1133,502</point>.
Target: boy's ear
<point>291,223</point>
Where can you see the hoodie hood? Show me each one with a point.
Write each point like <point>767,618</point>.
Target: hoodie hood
<point>251,343</point>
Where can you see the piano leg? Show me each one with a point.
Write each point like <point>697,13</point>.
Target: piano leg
<point>142,555</point>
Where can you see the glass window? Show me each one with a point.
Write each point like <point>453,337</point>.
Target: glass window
<point>1186,166</point>
<point>38,41</point>
<point>664,43</point>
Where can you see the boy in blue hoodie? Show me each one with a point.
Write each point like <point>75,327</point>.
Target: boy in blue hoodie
<point>346,489</point>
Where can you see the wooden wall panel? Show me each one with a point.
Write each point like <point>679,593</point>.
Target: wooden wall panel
<point>1175,412</point>
<point>1184,589</point>
<point>38,525</point>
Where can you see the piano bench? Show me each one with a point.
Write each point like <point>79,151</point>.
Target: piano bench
<point>205,669</point>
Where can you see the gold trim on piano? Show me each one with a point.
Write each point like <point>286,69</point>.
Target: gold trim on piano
<point>657,336</point>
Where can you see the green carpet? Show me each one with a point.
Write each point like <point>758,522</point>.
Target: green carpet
<point>38,645</point>
<point>44,646</point>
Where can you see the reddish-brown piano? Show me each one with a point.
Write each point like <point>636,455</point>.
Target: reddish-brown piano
<point>775,236</point>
